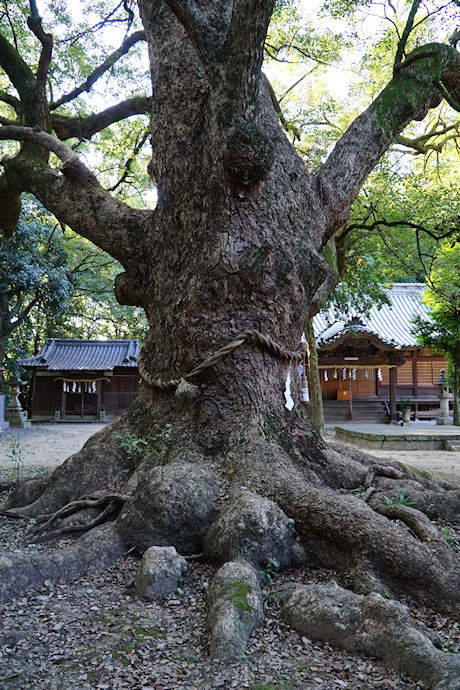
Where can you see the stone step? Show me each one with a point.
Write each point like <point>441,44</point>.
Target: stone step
<point>452,445</point>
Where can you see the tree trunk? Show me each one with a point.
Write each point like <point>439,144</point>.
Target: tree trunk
<point>316,396</point>
<point>234,246</point>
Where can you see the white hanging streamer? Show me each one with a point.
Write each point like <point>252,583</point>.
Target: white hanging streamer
<point>335,375</point>
<point>379,374</point>
<point>326,378</point>
<point>287,391</point>
<point>344,374</point>
<point>354,374</point>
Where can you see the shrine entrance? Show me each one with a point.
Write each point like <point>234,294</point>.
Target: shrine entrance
<point>81,398</point>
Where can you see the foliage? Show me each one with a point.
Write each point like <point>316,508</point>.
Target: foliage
<point>442,331</point>
<point>54,283</point>
<point>267,577</point>
<point>34,279</point>
<point>400,498</point>
<point>140,449</point>
<point>16,451</point>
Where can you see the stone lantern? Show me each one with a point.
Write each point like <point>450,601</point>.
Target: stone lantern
<point>444,397</point>
<point>14,414</point>
<point>3,424</point>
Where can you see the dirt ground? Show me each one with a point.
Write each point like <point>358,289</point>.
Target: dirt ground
<point>94,633</point>
<point>47,445</point>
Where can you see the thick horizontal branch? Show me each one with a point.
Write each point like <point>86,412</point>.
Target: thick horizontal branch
<point>74,195</point>
<point>86,127</point>
<point>38,136</point>
<point>99,71</point>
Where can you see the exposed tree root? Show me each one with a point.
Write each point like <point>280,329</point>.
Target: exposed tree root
<point>215,503</point>
<point>235,609</point>
<point>374,625</point>
<point>374,551</point>
<point>110,505</point>
<point>381,471</point>
<point>91,554</point>
<point>75,506</point>
<point>418,522</point>
<point>99,466</point>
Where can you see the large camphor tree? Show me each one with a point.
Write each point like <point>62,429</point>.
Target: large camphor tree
<point>233,247</point>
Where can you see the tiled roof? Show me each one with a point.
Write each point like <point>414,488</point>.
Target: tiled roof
<point>84,355</point>
<point>391,324</point>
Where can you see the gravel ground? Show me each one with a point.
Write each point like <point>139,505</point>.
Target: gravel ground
<point>46,445</point>
<point>96,634</point>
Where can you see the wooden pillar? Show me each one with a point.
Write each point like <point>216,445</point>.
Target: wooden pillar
<point>63,401</point>
<point>415,375</point>
<point>99,396</point>
<point>392,394</point>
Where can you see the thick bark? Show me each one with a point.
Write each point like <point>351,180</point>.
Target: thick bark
<point>316,396</point>
<point>234,245</point>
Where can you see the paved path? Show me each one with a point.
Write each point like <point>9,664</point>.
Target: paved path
<point>442,463</point>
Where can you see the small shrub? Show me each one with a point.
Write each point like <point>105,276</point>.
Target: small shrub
<point>16,452</point>
<point>397,498</point>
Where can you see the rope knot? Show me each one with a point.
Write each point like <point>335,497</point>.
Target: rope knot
<point>186,389</point>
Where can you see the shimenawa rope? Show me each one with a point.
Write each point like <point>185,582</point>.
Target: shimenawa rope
<point>254,338</point>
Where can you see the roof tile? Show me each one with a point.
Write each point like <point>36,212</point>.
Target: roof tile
<point>84,355</point>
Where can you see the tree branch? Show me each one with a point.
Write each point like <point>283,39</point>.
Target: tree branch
<point>204,37</point>
<point>102,69</point>
<point>244,45</point>
<point>4,121</point>
<point>86,127</point>
<point>408,96</point>
<point>34,22</point>
<point>400,52</point>
<point>11,100</point>
<point>18,72</point>
<point>398,224</point>
<point>417,145</point>
<point>76,198</point>
<point>127,166</point>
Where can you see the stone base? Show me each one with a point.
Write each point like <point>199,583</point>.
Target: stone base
<point>444,421</point>
<point>17,419</point>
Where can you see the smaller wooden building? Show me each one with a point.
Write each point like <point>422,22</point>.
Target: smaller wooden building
<point>81,378</point>
<point>376,357</point>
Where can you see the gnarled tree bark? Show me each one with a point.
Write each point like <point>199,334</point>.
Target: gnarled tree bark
<point>234,245</point>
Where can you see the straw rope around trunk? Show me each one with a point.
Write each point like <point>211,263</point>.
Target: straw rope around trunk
<point>254,338</point>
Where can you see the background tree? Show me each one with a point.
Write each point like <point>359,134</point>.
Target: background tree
<point>33,281</point>
<point>442,333</point>
<point>227,268</point>
<point>54,283</point>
